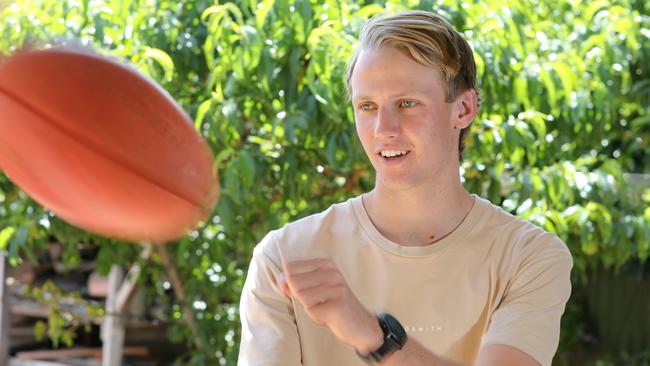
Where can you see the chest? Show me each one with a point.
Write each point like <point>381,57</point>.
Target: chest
<point>444,303</point>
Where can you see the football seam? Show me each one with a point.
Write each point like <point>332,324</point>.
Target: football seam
<point>92,146</point>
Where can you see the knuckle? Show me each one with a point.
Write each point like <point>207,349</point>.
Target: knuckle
<point>339,289</point>
<point>332,272</point>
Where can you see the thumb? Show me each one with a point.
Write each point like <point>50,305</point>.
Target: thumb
<point>284,286</point>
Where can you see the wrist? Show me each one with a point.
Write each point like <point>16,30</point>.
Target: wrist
<point>372,339</point>
<point>393,339</point>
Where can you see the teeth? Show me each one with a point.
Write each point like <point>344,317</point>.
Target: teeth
<point>391,153</point>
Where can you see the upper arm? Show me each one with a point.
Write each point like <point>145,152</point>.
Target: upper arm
<point>269,335</point>
<point>527,318</point>
<point>502,355</point>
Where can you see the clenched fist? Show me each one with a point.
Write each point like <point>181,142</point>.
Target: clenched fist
<point>321,289</point>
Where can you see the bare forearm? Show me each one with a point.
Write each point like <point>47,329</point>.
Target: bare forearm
<point>415,354</point>
<point>412,354</point>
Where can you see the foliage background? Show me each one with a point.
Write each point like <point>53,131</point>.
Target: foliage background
<point>564,123</point>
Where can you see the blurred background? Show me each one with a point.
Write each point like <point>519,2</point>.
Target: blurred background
<point>562,140</point>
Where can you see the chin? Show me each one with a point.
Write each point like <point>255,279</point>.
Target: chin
<point>396,183</point>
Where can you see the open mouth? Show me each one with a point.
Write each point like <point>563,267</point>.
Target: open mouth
<point>394,155</point>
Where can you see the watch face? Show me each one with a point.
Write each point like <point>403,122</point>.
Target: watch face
<point>395,331</point>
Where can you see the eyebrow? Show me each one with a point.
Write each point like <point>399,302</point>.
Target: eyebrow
<point>394,96</point>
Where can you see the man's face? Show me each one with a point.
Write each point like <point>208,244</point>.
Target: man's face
<point>399,107</point>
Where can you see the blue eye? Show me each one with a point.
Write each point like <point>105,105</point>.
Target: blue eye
<point>407,103</point>
<point>366,107</point>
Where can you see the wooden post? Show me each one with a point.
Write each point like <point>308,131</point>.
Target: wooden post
<point>4,311</point>
<point>129,287</point>
<point>118,297</point>
<point>113,327</point>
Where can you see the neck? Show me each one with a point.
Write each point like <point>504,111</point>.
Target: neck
<point>419,216</point>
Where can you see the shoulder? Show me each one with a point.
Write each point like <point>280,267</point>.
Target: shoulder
<point>518,238</point>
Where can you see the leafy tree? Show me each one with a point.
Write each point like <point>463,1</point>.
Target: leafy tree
<point>564,121</point>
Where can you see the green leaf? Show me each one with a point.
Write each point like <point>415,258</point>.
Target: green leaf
<point>40,328</point>
<point>521,91</point>
<point>593,8</point>
<point>262,11</point>
<point>204,107</point>
<point>5,236</point>
<point>330,149</point>
<point>163,59</point>
<point>55,327</point>
<point>549,85</point>
<point>67,337</point>
<point>17,241</point>
<point>369,10</point>
<point>247,167</point>
<point>232,184</point>
<point>567,78</point>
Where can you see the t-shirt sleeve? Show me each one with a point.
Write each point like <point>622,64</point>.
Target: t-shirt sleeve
<point>528,316</point>
<point>269,334</point>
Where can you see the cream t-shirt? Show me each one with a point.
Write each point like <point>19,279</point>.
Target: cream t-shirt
<point>496,279</point>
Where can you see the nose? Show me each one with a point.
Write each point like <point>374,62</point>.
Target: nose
<point>388,124</point>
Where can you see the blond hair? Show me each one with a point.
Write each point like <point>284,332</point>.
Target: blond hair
<point>430,41</point>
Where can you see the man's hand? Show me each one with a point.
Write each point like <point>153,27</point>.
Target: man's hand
<point>321,289</point>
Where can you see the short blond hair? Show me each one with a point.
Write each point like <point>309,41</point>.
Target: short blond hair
<point>431,41</point>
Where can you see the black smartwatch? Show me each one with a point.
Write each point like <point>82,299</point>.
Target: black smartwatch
<point>394,339</point>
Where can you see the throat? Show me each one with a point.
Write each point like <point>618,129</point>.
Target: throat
<point>403,225</point>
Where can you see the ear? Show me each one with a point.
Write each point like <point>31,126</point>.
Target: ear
<point>466,108</point>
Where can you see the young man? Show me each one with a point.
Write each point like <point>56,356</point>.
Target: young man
<point>417,271</point>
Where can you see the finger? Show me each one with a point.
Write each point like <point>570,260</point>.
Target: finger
<point>320,313</point>
<point>312,297</point>
<point>309,265</point>
<point>317,278</point>
<point>284,286</point>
